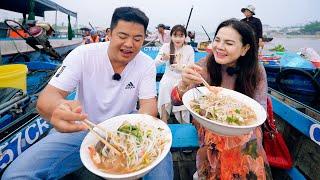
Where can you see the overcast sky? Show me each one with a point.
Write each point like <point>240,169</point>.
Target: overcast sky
<point>208,13</point>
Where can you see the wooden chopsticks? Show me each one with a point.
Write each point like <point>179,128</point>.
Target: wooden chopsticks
<point>91,125</point>
<point>205,83</point>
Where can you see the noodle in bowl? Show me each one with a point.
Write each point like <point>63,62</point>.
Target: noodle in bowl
<point>113,125</point>
<point>220,127</point>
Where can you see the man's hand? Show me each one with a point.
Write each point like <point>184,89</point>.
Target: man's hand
<point>66,117</point>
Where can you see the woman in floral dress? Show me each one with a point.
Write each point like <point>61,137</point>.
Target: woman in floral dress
<point>233,64</point>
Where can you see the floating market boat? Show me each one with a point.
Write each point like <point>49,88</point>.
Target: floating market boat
<point>24,71</point>
<point>21,126</point>
<point>299,124</point>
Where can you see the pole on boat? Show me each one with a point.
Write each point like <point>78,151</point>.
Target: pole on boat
<point>206,33</point>
<point>189,17</point>
<point>56,19</point>
<point>70,31</point>
<point>91,25</point>
<point>31,15</point>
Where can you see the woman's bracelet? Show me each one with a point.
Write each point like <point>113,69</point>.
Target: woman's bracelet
<point>182,90</point>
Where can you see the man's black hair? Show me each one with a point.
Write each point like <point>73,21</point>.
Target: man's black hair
<point>129,14</point>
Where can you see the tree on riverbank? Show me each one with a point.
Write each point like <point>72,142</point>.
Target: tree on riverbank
<point>311,28</point>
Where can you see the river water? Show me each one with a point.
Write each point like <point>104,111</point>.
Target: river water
<point>294,44</point>
<point>290,43</point>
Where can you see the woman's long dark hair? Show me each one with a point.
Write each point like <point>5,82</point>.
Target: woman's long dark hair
<point>175,29</point>
<point>248,65</point>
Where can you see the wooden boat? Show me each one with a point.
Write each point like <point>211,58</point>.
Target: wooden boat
<point>287,72</point>
<point>20,124</point>
<point>267,39</point>
<point>299,123</point>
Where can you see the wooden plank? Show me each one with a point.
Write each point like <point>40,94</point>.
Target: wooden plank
<point>295,118</point>
<point>9,47</point>
<point>294,173</point>
<point>296,104</point>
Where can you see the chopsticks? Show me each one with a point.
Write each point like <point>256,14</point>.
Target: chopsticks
<point>169,54</point>
<point>91,125</point>
<point>205,83</point>
<point>213,89</point>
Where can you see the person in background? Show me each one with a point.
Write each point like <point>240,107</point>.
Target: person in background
<point>176,55</point>
<point>93,38</point>
<point>163,35</point>
<point>254,22</point>
<point>233,64</point>
<point>107,37</point>
<point>101,74</point>
<point>191,36</point>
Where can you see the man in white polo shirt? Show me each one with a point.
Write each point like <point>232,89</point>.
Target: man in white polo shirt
<point>109,79</point>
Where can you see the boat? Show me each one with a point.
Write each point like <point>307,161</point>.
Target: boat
<point>266,39</point>
<point>15,40</point>
<point>293,75</point>
<point>286,71</point>
<point>20,124</point>
<point>299,124</point>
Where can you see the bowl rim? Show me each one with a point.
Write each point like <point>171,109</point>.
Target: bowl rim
<point>142,171</point>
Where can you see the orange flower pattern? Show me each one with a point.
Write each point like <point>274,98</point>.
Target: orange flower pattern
<point>231,157</point>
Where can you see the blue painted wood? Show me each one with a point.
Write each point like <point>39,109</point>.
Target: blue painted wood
<point>12,147</point>
<point>295,174</point>
<point>294,117</point>
<point>5,120</point>
<point>184,137</point>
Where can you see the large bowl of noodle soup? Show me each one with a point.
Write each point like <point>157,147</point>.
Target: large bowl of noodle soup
<point>225,112</point>
<point>113,125</point>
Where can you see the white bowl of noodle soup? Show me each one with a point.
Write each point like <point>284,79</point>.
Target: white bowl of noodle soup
<point>113,124</point>
<point>224,128</point>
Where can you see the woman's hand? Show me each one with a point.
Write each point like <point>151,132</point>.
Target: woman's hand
<point>191,75</point>
<point>66,115</point>
<point>165,57</point>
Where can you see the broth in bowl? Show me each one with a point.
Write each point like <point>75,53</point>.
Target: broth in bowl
<point>223,109</point>
<point>139,144</point>
<point>227,113</point>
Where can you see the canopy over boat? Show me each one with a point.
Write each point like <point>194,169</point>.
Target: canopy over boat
<point>22,6</point>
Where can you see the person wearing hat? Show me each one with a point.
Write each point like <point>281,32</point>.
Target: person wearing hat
<point>163,35</point>
<point>93,38</point>
<point>254,22</point>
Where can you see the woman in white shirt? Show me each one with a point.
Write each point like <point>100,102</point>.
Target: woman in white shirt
<point>176,55</point>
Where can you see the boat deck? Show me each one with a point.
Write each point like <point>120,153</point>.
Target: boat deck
<point>10,46</point>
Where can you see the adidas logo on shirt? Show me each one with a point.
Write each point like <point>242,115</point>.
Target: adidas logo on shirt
<point>129,86</point>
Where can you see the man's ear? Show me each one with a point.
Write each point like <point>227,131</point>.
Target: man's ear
<point>245,49</point>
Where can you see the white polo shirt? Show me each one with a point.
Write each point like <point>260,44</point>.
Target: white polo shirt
<point>87,69</point>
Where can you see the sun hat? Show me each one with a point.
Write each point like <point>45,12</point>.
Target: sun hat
<point>250,8</point>
<point>93,32</point>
